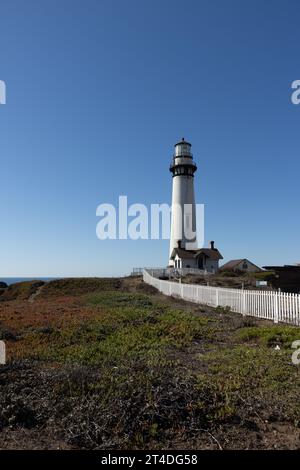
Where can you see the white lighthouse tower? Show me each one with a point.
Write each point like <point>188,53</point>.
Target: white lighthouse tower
<point>183,219</point>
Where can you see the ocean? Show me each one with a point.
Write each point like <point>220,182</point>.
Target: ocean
<point>13,280</point>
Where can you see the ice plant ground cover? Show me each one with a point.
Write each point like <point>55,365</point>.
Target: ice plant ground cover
<point>112,363</point>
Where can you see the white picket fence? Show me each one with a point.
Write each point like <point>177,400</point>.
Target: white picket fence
<point>173,272</point>
<point>275,306</point>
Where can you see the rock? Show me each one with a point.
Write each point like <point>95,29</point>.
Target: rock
<point>3,285</point>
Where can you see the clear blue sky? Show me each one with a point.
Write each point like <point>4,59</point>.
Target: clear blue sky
<point>98,91</point>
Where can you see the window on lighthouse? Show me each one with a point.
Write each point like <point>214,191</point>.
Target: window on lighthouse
<point>187,221</point>
<point>182,150</point>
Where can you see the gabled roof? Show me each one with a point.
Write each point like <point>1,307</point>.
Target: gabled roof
<point>188,254</point>
<point>235,262</point>
<point>232,264</point>
<point>183,254</point>
<point>210,253</point>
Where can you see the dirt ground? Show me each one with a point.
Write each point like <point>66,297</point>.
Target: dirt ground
<point>115,364</point>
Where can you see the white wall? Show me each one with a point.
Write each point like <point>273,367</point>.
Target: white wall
<point>211,265</point>
<point>182,193</point>
<point>189,263</point>
<point>250,269</point>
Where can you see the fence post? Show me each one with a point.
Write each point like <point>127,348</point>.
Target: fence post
<point>244,303</point>
<point>276,310</point>
<point>217,297</point>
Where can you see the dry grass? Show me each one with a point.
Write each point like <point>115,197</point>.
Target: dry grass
<point>110,363</point>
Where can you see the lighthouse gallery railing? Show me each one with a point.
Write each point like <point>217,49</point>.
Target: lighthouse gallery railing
<point>275,306</point>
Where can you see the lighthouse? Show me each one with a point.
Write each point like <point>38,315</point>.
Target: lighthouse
<point>183,217</point>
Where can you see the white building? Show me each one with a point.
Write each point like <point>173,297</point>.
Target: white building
<point>183,221</point>
<point>242,265</point>
<point>183,240</point>
<point>206,259</point>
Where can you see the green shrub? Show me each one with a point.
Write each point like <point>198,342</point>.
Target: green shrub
<point>270,336</point>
